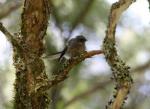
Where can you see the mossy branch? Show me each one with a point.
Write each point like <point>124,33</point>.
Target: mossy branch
<point>121,72</point>
<point>64,71</point>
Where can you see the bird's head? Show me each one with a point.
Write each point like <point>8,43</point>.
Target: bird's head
<point>81,38</point>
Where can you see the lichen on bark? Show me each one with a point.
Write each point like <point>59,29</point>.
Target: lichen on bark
<point>30,68</point>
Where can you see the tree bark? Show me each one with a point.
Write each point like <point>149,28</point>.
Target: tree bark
<point>30,69</point>
<point>121,71</point>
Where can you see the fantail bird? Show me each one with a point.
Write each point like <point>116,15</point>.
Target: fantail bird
<point>74,48</point>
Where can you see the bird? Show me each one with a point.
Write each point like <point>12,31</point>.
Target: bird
<point>73,49</point>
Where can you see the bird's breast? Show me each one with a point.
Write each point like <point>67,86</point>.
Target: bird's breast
<point>76,50</point>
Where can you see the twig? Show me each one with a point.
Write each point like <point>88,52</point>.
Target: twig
<point>65,70</point>
<point>8,35</point>
<point>121,72</point>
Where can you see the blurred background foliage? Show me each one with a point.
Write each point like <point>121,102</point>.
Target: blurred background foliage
<point>89,85</point>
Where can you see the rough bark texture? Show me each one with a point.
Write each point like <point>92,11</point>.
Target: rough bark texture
<point>121,72</point>
<point>30,69</point>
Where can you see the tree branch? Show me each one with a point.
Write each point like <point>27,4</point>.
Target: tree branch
<point>63,72</point>
<point>121,72</point>
<point>8,7</point>
<point>8,35</point>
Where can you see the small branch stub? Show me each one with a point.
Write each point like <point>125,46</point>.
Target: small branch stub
<point>9,36</point>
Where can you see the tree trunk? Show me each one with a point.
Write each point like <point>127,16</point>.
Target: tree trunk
<point>30,69</point>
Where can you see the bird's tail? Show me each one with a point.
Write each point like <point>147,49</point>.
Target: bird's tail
<point>52,56</point>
